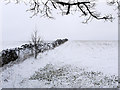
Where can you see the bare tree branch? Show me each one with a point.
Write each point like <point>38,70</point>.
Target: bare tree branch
<point>36,40</point>
<point>46,8</point>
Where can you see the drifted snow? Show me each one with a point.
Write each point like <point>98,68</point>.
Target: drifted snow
<point>101,56</point>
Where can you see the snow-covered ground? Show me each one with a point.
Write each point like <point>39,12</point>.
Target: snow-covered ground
<point>73,64</point>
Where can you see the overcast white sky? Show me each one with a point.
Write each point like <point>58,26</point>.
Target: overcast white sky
<point>18,26</point>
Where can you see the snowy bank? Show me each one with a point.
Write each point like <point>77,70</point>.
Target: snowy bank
<point>73,64</point>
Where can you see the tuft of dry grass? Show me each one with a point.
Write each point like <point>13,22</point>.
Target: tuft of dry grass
<point>73,77</point>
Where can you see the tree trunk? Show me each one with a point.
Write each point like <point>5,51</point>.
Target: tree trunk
<point>36,49</point>
<point>35,54</point>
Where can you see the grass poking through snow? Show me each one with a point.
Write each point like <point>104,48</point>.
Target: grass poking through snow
<point>73,77</point>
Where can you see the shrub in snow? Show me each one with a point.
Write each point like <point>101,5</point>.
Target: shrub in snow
<point>72,77</point>
<point>8,55</point>
<point>59,42</point>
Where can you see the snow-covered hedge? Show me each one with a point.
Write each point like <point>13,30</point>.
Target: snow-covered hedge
<point>26,51</point>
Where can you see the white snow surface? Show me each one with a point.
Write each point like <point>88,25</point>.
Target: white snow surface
<point>91,55</point>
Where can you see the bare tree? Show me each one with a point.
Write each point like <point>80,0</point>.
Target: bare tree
<point>36,40</point>
<point>46,8</point>
<point>115,3</point>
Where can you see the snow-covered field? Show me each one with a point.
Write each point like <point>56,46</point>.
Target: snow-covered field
<point>82,64</point>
